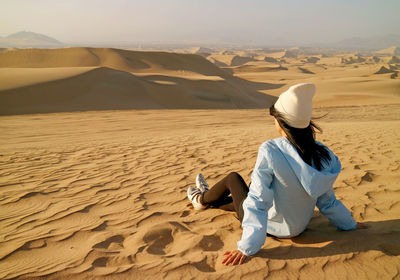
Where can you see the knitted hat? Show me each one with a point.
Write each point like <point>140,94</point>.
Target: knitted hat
<point>295,104</point>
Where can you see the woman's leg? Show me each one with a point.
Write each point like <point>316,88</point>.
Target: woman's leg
<point>232,184</point>
<point>224,203</point>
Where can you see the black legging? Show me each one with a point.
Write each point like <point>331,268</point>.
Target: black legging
<point>218,195</point>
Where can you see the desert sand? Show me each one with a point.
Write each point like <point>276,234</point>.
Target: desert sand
<point>102,193</point>
<point>82,79</point>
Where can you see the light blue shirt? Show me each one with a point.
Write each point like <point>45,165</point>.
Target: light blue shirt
<point>283,193</point>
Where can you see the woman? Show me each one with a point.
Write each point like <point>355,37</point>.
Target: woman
<point>292,175</point>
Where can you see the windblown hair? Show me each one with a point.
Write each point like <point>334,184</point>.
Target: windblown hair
<point>303,139</point>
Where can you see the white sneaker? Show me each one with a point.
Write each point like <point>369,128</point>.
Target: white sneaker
<point>194,194</point>
<point>201,183</point>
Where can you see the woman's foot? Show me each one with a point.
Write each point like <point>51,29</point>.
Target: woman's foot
<point>194,196</point>
<point>201,183</point>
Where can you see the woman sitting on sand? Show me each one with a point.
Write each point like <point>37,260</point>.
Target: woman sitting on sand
<point>292,175</point>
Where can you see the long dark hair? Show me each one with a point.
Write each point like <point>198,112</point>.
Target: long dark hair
<point>303,139</point>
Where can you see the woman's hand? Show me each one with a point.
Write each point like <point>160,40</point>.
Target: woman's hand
<point>233,257</point>
<point>361,226</point>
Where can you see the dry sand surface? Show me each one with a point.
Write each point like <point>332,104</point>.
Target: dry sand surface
<point>103,194</point>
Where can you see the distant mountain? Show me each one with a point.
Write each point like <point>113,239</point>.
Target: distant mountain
<point>369,43</point>
<point>25,39</point>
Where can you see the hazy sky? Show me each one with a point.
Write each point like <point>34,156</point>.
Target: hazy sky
<point>202,21</point>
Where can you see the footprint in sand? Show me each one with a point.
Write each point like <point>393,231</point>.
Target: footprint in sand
<point>211,243</point>
<point>158,240</point>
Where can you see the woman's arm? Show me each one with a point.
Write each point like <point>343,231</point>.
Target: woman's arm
<point>335,211</point>
<point>256,205</point>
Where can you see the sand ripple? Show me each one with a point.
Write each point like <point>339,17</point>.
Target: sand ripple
<point>114,204</point>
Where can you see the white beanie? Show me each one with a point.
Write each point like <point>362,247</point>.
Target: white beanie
<point>295,104</point>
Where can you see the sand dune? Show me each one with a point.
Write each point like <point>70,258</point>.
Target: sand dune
<point>132,61</point>
<point>76,79</point>
<point>338,84</point>
<point>353,59</point>
<point>394,50</point>
<point>395,60</point>
<point>291,54</point>
<point>226,52</point>
<point>109,89</point>
<point>239,60</point>
<point>312,59</point>
<point>255,68</point>
<point>394,75</point>
<point>270,59</point>
<point>201,51</point>
<point>235,58</point>
<point>373,59</point>
<point>217,62</point>
<point>103,194</point>
<point>278,54</point>
<point>110,79</point>
<point>305,70</point>
<point>384,70</point>
<point>11,78</point>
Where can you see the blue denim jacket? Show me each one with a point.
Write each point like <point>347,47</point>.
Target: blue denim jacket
<point>284,191</point>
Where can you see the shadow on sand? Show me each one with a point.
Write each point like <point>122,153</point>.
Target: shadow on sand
<point>321,240</point>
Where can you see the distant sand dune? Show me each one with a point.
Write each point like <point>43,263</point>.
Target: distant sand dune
<point>305,71</point>
<point>276,55</point>
<point>109,89</point>
<point>76,79</point>
<point>290,54</point>
<point>217,62</point>
<point>338,84</point>
<point>353,59</point>
<point>230,59</point>
<point>239,60</point>
<point>111,79</point>
<point>132,61</point>
<point>394,50</point>
<point>373,59</point>
<point>253,68</point>
<point>394,59</point>
<point>312,59</point>
<point>270,59</point>
<point>201,50</point>
<point>384,70</point>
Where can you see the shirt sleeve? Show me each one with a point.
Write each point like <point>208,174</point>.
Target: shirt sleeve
<point>256,205</point>
<point>335,211</point>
